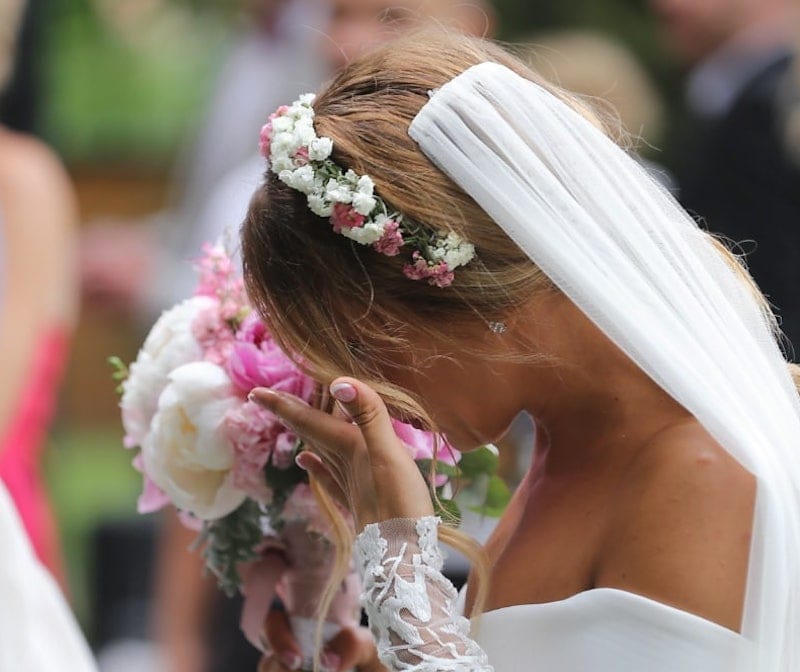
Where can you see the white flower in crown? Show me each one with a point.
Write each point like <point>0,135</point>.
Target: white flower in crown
<point>338,192</point>
<point>319,205</point>
<point>301,160</point>
<point>369,234</point>
<point>320,149</point>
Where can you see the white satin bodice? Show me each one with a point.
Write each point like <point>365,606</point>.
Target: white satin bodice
<point>607,630</point>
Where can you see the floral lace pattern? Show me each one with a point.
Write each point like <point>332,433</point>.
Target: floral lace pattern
<point>410,603</point>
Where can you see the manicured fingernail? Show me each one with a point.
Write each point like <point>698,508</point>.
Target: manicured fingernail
<point>343,392</point>
<point>292,660</point>
<point>301,461</point>
<point>329,662</point>
<point>261,394</point>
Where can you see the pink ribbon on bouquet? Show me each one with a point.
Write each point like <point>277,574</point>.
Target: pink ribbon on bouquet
<point>296,567</point>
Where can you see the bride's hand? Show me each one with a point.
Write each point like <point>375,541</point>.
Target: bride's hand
<point>354,452</point>
<point>352,648</point>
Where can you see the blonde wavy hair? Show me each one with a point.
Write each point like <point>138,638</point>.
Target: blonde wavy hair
<point>346,309</point>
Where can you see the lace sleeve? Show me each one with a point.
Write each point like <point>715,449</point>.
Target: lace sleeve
<point>410,603</point>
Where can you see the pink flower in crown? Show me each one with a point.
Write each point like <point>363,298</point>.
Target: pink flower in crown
<point>265,138</point>
<point>391,241</point>
<point>214,334</point>
<point>301,156</point>
<point>345,217</point>
<point>257,361</point>
<point>251,430</point>
<point>438,274</point>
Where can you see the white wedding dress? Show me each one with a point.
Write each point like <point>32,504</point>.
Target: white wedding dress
<point>415,616</point>
<point>38,633</point>
<point>607,630</point>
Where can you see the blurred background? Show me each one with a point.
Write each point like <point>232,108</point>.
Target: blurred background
<point>154,106</point>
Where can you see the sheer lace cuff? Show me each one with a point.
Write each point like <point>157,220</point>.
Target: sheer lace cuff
<point>411,605</point>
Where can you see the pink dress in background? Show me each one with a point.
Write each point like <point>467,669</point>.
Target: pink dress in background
<point>22,444</point>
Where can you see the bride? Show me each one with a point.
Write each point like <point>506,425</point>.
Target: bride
<point>465,242</point>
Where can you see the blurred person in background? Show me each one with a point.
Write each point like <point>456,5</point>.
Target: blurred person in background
<point>139,268</point>
<point>595,65</point>
<point>735,170</point>
<point>187,602</point>
<point>37,309</point>
<point>40,291</point>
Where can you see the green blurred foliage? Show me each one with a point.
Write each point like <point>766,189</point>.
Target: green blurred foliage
<point>90,480</point>
<point>126,93</point>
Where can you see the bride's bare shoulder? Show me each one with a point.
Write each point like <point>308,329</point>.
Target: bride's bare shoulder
<point>681,525</point>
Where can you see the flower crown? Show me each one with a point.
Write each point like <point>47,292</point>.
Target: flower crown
<point>301,160</point>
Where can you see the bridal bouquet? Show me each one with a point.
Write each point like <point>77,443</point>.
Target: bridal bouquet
<point>228,465</point>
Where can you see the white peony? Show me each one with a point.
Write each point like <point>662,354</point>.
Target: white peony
<point>169,344</point>
<point>186,452</point>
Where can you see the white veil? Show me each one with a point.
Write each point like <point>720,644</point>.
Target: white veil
<point>638,266</point>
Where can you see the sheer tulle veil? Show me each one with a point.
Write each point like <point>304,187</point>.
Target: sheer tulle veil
<point>638,266</point>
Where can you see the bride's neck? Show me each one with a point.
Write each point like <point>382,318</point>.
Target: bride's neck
<point>591,401</point>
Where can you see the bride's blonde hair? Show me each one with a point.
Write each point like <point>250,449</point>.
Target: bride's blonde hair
<point>346,309</point>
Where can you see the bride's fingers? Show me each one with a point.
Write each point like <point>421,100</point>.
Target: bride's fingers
<point>286,652</point>
<point>367,410</point>
<point>328,435</point>
<point>317,469</point>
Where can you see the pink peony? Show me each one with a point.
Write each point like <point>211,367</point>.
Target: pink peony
<point>283,454</point>
<point>152,498</point>
<point>257,361</point>
<point>220,279</point>
<point>251,430</point>
<point>213,334</point>
<point>391,241</point>
<point>422,445</point>
<point>345,217</point>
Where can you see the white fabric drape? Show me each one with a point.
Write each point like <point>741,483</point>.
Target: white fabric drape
<point>38,633</point>
<point>638,266</point>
